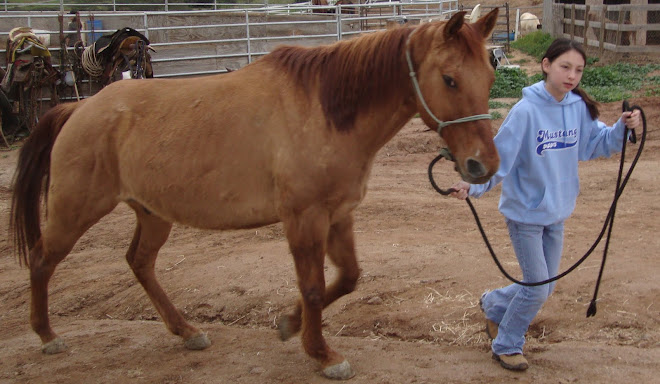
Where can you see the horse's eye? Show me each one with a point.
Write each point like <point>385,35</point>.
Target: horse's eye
<point>449,81</point>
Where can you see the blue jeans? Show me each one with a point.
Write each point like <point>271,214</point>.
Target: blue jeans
<point>538,249</point>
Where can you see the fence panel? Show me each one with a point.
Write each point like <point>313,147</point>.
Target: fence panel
<point>618,28</point>
<point>204,42</point>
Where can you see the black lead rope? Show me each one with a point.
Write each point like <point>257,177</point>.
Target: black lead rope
<point>609,220</point>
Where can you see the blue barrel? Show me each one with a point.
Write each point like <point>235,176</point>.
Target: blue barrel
<point>92,37</point>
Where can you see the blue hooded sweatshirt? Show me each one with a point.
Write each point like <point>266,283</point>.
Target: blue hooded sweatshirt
<point>540,143</point>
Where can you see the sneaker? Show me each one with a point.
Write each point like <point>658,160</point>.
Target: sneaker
<point>491,326</point>
<point>514,362</point>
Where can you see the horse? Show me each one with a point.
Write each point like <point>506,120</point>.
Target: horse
<point>321,3</point>
<point>289,138</point>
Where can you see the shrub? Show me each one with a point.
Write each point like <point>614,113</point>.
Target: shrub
<point>509,82</point>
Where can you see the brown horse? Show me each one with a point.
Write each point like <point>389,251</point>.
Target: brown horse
<point>290,138</point>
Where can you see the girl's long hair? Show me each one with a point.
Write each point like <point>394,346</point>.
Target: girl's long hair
<point>558,48</point>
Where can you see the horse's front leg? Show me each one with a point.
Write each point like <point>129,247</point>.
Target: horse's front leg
<point>307,233</point>
<point>341,251</point>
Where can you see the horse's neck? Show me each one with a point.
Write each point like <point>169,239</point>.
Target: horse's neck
<point>376,129</point>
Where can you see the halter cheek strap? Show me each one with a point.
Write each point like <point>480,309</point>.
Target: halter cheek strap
<point>441,124</point>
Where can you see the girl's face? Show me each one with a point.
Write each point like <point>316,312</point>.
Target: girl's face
<point>563,74</point>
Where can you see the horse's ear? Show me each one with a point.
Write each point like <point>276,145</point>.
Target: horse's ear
<point>486,24</point>
<point>454,24</point>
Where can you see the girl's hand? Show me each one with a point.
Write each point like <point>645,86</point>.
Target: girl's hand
<point>632,119</point>
<point>462,188</point>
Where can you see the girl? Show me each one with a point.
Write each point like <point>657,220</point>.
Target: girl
<point>540,142</point>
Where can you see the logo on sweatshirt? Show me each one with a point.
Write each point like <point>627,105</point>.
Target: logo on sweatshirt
<point>555,140</point>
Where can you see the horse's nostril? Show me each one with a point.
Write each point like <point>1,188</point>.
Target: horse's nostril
<point>475,168</point>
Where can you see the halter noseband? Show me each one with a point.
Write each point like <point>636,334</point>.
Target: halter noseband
<point>441,124</point>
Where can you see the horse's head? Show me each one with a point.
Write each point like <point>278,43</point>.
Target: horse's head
<point>454,77</point>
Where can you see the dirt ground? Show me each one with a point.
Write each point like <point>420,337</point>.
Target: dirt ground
<point>414,317</point>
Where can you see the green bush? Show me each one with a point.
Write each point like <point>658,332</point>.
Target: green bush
<point>509,82</point>
<point>618,81</point>
<point>604,83</point>
<point>534,44</point>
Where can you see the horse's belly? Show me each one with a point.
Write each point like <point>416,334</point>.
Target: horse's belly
<point>213,198</point>
<point>222,212</point>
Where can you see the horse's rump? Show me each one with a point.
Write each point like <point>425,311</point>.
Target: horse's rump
<point>32,168</point>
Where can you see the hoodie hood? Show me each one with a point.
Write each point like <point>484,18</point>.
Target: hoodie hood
<point>537,94</point>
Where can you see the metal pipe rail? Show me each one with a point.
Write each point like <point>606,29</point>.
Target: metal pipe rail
<point>230,38</point>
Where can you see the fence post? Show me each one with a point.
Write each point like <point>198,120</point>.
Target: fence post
<point>146,25</point>
<point>167,8</point>
<point>338,15</point>
<point>586,25</point>
<point>247,36</point>
<point>601,38</point>
<point>573,21</point>
<point>618,28</point>
<point>516,35</point>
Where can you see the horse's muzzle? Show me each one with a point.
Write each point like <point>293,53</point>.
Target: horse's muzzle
<point>475,172</point>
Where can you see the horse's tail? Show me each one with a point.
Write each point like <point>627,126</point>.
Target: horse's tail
<point>32,177</point>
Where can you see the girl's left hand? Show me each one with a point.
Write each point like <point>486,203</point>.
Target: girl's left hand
<point>632,119</point>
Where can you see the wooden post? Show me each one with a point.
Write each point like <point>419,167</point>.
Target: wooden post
<point>618,28</point>
<point>601,38</point>
<point>586,26</point>
<point>508,30</point>
<point>573,21</point>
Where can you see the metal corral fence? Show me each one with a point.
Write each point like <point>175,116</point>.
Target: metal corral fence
<point>114,6</point>
<point>205,42</point>
<point>618,28</point>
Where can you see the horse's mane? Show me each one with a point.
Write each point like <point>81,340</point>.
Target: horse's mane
<point>356,74</point>
<point>351,75</point>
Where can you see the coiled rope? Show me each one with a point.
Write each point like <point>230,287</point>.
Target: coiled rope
<point>90,63</point>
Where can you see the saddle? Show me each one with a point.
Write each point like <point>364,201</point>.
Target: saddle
<point>23,46</point>
<point>119,48</point>
<point>107,46</point>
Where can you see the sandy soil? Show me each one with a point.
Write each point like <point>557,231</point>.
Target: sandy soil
<point>414,317</point>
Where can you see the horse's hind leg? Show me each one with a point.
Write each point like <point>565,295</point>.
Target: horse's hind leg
<point>67,221</point>
<point>150,234</point>
<point>42,267</point>
<point>341,251</point>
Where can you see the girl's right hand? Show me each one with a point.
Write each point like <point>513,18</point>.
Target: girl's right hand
<point>462,188</point>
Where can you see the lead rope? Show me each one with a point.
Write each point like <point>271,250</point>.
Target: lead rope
<point>609,220</point>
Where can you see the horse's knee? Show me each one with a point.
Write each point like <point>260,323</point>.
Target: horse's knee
<point>313,297</point>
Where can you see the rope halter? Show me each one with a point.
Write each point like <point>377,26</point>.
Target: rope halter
<point>441,124</point>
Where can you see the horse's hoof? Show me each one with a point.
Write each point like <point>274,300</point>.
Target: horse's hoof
<point>53,347</point>
<point>341,371</point>
<point>285,329</point>
<point>198,342</point>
